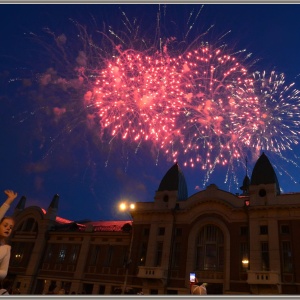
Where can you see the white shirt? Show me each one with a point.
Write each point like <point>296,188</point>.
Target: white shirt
<point>4,260</point>
<point>4,249</point>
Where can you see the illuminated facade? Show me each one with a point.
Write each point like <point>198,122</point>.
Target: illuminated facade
<point>238,244</point>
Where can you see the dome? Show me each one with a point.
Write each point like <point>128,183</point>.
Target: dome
<point>263,173</point>
<point>174,181</point>
<point>245,186</point>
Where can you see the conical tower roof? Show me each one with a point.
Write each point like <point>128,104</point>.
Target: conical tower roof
<point>263,173</point>
<point>174,181</point>
<point>245,186</point>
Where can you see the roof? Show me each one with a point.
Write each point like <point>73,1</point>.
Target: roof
<point>58,219</point>
<point>109,225</point>
<point>263,173</point>
<point>174,181</point>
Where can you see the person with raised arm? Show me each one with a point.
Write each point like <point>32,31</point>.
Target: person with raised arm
<point>6,227</point>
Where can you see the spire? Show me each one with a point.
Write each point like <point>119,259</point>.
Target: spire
<point>263,173</point>
<point>54,202</point>
<point>21,205</point>
<point>53,208</point>
<point>246,181</point>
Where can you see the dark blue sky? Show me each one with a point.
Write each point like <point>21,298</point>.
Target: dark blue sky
<point>41,156</point>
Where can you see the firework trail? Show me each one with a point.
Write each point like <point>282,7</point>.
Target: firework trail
<point>275,116</point>
<point>272,118</point>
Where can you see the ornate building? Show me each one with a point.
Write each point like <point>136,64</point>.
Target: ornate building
<point>238,244</point>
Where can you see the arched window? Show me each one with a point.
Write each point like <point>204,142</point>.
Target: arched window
<point>29,225</point>
<point>210,249</point>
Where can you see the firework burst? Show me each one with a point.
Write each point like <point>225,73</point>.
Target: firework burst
<point>195,101</point>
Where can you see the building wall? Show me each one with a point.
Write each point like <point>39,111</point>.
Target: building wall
<point>163,245</point>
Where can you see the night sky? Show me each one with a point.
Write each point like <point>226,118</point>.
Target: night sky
<point>48,144</point>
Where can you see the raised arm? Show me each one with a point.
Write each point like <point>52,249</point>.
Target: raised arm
<point>11,196</point>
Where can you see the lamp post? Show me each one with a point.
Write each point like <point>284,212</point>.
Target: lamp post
<point>127,207</point>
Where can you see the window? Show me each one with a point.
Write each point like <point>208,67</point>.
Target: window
<point>21,253</point>
<point>210,250</point>
<point>101,290</point>
<point>284,229</point>
<point>122,257</point>
<point>108,256</point>
<point>178,231</point>
<point>263,229</point>
<point>146,231</point>
<point>244,256</point>
<point>161,231</point>
<point>262,193</point>
<point>143,253</point>
<point>244,230</point>
<point>87,288</point>
<point>94,255</point>
<point>73,254</point>
<point>287,261</point>
<point>49,253</point>
<point>62,253</point>
<point>28,225</point>
<point>159,249</point>
<point>265,256</point>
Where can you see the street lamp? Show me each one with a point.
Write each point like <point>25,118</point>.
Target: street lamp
<point>127,207</point>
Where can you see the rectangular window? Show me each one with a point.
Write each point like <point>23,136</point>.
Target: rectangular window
<point>210,259</point>
<point>263,229</point>
<point>284,229</point>
<point>287,257</point>
<point>220,258</point>
<point>211,233</point>
<point>159,250</point>
<point>123,257</point>
<point>161,231</point>
<point>61,253</point>
<point>108,258</point>
<point>49,253</point>
<point>265,260</point>
<point>146,231</point>
<point>200,261</point>
<point>244,256</point>
<point>101,290</point>
<point>94,255</point>
<point>178,231</point>
<point>20,253</point>
<point>143,253</point>
<point>244,230</point>
<point>73,254</point>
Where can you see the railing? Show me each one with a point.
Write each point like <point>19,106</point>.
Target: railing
<point>152,272</point>
<point>263,277</point>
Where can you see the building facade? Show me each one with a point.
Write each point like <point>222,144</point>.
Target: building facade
<point>238,244</point>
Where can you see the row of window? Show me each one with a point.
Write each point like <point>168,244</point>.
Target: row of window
<point>209,252</point>
<point>263,229</point>
<point>161,231</point>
